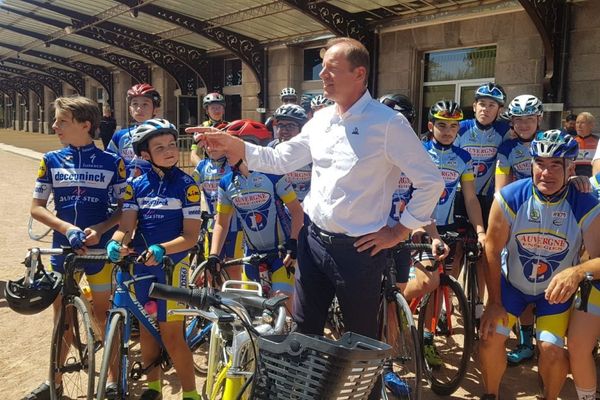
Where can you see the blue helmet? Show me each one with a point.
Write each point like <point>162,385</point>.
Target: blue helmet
<point>492,91</point>
<point>554,143</point>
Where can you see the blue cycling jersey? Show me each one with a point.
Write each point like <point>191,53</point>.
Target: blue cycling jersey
<point>455,167</point>
<point>514,159</point>
<point>300,178</point>
<point>254,199</point>
<point>545,234</point>
<point>120,144</point>
<point>482,144</point>
<point>162,203</point>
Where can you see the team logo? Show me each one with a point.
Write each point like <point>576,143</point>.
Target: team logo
<point>444,197</point>
<point>251,201</point>
<point>192,193</point>
<point>523,167</point>
<point>519,153</point>
<point>257,181</point>
<point>404,183</point>
<point>122,170</point>
<point>42,169</point>
<point>449,176</point>
<point>558,218</point>
<point>480,169</point>
<point>128,193</point>
<point>256,221</point>
<point>534,215</point>
<point>540,254</point>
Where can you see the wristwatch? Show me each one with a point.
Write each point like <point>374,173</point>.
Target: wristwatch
<point>589,276</point>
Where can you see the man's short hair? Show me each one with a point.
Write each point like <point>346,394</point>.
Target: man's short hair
<point>588,117</point>
<point>82,109</point>
<point>356,53</point>
<point>571,117</point>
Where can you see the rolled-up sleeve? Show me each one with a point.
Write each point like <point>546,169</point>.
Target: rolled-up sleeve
<point>404,150</point>
<point>284,158</point>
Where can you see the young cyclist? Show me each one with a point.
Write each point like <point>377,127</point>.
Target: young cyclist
<point>456,169</point>
<point>81,177</point>
<point>288,95</point>
<point>252,196</point>
<point>143,102</point>
<point>318,102</point>
<point>214,105</point>
<point>162,213</point>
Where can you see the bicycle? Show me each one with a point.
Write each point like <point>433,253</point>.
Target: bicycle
<point>118,331</point>
<point>238,315</point>
<point>197,253</point>
<point>75,337</point>
<point>445,314</point>
<point>37,230</point>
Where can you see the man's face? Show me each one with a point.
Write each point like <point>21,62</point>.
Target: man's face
<point>289,100</point>
<point>583,126</point>
<point>570,125</point>
<point>525,127</point>
<point>141,109</point>
<point>340,81</point>
<point>486,110</point>
<point>549,173</point>
<point>68,130</point>
<point>215,111</point>
<point>286,130</point>
<point>444,132</point>
<point>163,149</point>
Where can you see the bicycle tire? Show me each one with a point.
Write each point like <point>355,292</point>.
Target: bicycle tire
<point>197,278</point>
<point>453,347</point>
<point>472,289</point>
<point>78,368</point>
<point>114,335</point>
<point>37,230</point>
<point>407,361</point>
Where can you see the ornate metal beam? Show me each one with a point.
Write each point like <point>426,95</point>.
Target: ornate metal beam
<point>46,80</point>
<point>551,20</point>
<point>22,90</point>
<point>248,49</point>
<point>187,79</point>
<point>32,85</point>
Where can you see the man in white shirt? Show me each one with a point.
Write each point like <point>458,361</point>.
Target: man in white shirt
<point>358,149</point>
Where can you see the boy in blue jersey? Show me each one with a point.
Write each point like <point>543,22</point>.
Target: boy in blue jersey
<point>143,101</point>
<point>537,228</point>
<point>81,177</point>
<point>162,211</point>
<point>252,196</point>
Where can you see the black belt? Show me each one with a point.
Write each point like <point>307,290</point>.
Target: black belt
<point>332,238</point>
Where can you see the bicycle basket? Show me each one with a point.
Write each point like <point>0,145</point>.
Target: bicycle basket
<point>298,366</point>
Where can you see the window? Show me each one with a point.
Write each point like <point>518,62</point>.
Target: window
<point>233,107</point>
<point>312,64</point>
<point>455,75</point>
<point>233,72</point>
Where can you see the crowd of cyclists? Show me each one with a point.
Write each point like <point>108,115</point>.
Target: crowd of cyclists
<point>527,195</point>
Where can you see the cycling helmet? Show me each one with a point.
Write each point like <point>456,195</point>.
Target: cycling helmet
<point>446,110</point>
<point>525,105</point>
<point>250,131</point>
<point>291,112</point>
<point>505,116</point>
<point>213,98</point>
<point>400,103</point>
<point>144,90</point>
<point>492,91</point>
<point>38,296</point>
<point>288,92</point>
<point>320,101</point>
<point>305,103</point>
<point>554,143</point>
<point>147,130</point>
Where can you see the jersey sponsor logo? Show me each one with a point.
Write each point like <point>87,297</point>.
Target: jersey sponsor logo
<point>95,178</point>
<point>256,221</point>
<point>534,215</point>
<point>127,153</point>
<point>559,217</point>
<point>449,175</point>
<point>128,194</point>
<point>192,193</point>
<point>210,186</point>
<point>257,181</point>
<point>251,201</point>
<point>404,183</point>
<point>298,176</point>
<point>444,196</point>
<point>42,169</point>
<point>77,197</point>
<point>524,167</point>
<point>536,266</point>
<point>480,169</point>
<point>542,241</point>
<point>163,203</point>
<point>40,188</point>
<point>482,152</point>
<point>122,170</point>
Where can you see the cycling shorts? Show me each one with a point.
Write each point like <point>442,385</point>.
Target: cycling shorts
<point>552,320</point>
<point>460,211</point>
<point>233,247</point>
<point>402,262</point>
<point>179,278</point>
<point>593,305</point>
<point>281,279</point>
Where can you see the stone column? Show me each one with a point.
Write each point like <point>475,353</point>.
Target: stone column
<point>34,112</point>
<point>122,83</point>
<point>47,113</point>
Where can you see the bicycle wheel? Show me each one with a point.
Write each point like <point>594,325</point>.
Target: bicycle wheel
<point>37,230</point>
<point>472,289</point>
<point>73,351</point>
<point>197,333</point>
<point>200,274</point>
<point>113,355</point>
<point>446,315</point>
<point>406,362</point>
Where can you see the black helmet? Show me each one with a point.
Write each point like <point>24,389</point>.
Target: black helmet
<point>38,296</point>
<point>291,112</point>
<point>400,103</point>
<point>446,110</point>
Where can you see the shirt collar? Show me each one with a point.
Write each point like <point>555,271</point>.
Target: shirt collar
<point>357,108</point>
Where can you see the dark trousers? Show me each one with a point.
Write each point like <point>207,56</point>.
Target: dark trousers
<point>328,268</point>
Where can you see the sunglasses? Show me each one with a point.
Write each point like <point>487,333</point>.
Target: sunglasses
<point>448,116</point>
<point>287,126</point>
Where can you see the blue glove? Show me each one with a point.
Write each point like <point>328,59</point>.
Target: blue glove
<point>158,251</point>
<point>113,250</point>
<point>76,238</point>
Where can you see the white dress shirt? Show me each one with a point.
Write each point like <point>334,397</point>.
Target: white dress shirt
<point>357,159</point>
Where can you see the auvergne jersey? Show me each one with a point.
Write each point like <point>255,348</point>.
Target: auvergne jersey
<point>82,179</point>
<point>455,167</point>
<point>120,144</point>
<point>254,199</point>
<point>482,144</point>
<point>162,203</point>
<point>300,178</point>
<point>514,159</point>
<point>545,236</point>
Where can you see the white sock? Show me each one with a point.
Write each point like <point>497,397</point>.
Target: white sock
<point>586,394</point>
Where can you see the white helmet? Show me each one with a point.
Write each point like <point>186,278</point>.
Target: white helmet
<point>147,130</point>
<point>525,105</point>
<point>320,101</point>
<point>213,98</point>
<point>288,92</point>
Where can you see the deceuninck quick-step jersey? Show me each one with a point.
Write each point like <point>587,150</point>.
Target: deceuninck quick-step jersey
<point>120,144</point>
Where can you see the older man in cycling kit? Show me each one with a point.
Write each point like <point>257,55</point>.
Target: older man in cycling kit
<point>537,228</point>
